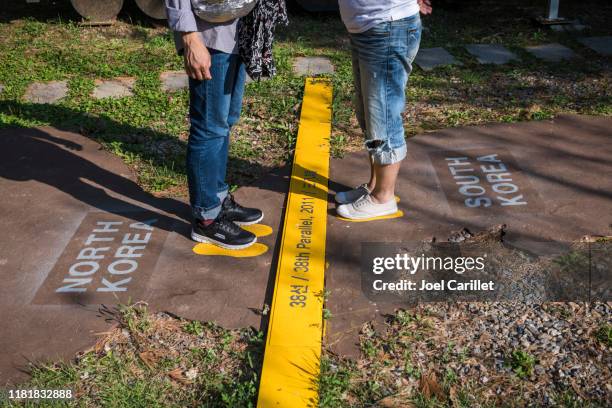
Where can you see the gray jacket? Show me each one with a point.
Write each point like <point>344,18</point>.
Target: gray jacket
<point>218,36</point>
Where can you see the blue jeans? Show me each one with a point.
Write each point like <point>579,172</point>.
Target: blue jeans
<point>214,107</point>
<point>382,62</point>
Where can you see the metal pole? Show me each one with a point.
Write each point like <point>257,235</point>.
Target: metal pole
<point>553,9</point>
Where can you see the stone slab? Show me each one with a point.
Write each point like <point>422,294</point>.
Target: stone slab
<point>113,88</point>
<point>601,45</point>
<point>491,53</point>
<point>63,194</point>
<point>559,168</point>
<point>306,66</point>
<point>46,92</point>
<point>174,80</point>
<point>430,58</point>
<point>571,26</point>
<point>551,52</point>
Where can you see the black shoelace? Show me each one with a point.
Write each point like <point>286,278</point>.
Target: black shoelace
<point>229,202</point>
<point>226,225</point>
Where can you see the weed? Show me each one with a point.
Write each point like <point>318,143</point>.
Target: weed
<point>604,335</point>
<point>521,363</point>
<point>334,382</point>
<point>194,327</point>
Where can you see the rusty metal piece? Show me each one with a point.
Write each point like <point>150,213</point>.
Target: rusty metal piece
<point>152,8</point>
<point>96,11</point>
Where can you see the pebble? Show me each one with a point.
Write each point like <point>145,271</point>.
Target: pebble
<point>562,347</point>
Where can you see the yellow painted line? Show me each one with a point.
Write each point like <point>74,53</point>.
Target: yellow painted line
<point>398,214</point>
<point>293,345</point>
<point>213,250</point>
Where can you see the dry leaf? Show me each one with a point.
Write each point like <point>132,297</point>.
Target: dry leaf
<point>429,386</point>
<point>177,375</point>
<point>149,357</point>
<point>452,395</point>
<point>395,401</point>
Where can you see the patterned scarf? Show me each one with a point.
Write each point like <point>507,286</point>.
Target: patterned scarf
<point>256,36</point>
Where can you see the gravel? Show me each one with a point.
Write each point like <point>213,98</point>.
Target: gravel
<point>476,342</point>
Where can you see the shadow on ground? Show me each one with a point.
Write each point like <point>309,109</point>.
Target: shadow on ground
<point>31,155</point>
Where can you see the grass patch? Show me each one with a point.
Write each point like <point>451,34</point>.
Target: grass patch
<point>413,360</point>
<point>156,360</point>
<point>149,130</point>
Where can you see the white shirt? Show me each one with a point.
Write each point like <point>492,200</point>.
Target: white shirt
<point>361,15</point>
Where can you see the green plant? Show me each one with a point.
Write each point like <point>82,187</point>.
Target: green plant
<point>604,335</point>
<point>521,362</point>
<point>194,327</point>
<point>334,382</point>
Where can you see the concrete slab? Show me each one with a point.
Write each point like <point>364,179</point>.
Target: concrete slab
<point>571,26</point>
<point>430,58</point>
<point>557,187</point>
<point>46,92</point>
<point>74,211</point>
<point>174,80</point>
<point>491,53</point>
<point>308,66</point>
<point>551,52</point>
<point>601,45</point>
<point>114,88</point>
<point>559,191</point>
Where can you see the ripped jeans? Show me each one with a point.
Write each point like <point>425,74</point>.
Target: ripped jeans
<point>382,62</point>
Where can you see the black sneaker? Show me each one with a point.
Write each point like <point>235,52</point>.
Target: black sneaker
<point>222,232</point>
<point>239,214</point>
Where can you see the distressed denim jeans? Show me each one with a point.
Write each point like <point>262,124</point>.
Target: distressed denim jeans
<point>382,62</point>
<point>214,107</point>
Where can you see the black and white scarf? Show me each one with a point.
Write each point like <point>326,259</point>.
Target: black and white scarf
<point>256,36</point>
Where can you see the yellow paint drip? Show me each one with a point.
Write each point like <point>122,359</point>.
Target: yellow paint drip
<point>214,250</point>
<point>293,345</point>
<point>398,214</point>
<point>260,230</point>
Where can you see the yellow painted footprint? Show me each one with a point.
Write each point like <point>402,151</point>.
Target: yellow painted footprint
<point>256,249</point>
<point>212,250</point>
<point>259,230</point>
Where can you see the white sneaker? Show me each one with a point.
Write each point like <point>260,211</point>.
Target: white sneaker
<point>365,207</point>
<point>345,197</point>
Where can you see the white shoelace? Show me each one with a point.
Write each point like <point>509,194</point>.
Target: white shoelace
<point>361,201</point>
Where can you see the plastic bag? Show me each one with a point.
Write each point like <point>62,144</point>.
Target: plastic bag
<point>220,11</point>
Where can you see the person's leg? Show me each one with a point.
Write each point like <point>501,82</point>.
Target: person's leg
<point>207,145</point>
<point>207,152</point>
<point>405,38</point>
<point>385,55</point>
<point>235,81</point>
<point>234,85</point>
<point>344,197</point>
<point>358,102</point>
<point>386,174</point>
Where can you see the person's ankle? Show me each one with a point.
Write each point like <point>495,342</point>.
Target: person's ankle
<point>382,197</point>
